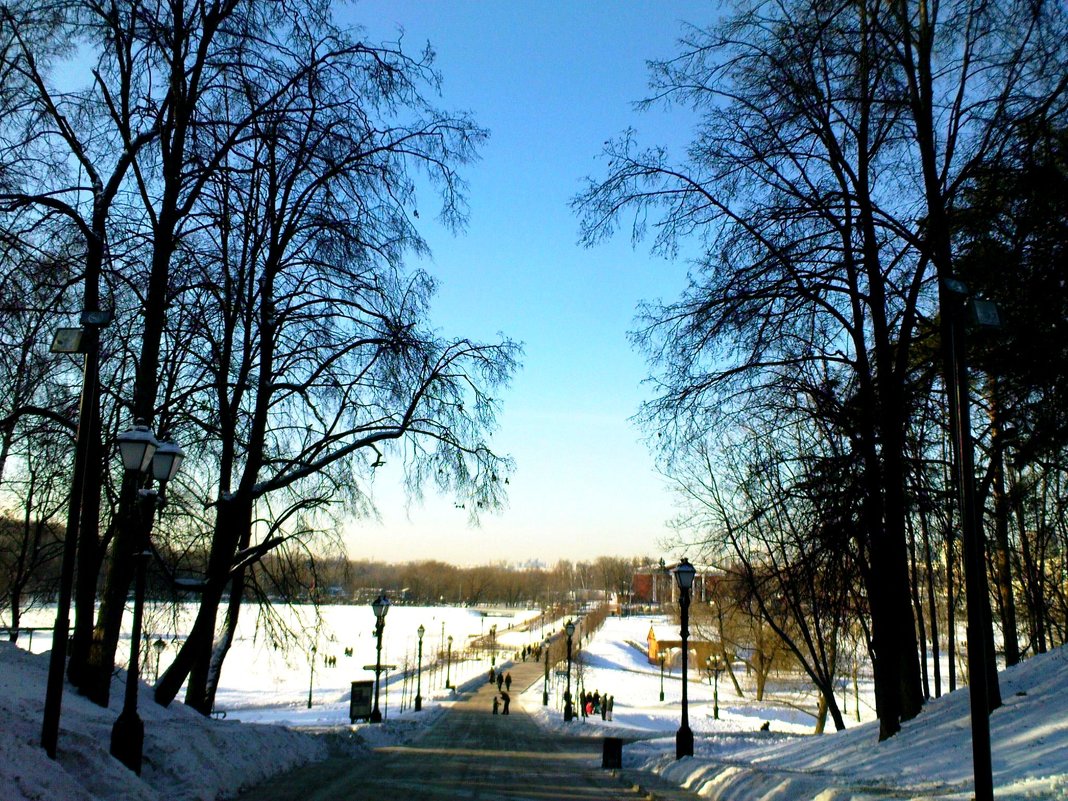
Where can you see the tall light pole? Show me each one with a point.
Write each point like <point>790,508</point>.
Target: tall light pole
<point>661,677</point>
<point>311,673</point>
<point>954,301</point>
<point>545,685</point>
<point>715,667</point>
<point>158,647</point>
<point>419,671</point>
<point>569,710</point>
<point>380,605</point>
<point>684,573</point>
<point>448,665</point>
<point>84,341</point>
<point>141,454</point>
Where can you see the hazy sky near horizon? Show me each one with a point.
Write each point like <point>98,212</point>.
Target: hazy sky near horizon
<point>551,81</point>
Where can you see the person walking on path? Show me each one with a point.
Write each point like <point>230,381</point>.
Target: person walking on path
<point>507,700</point>
<point>508,681</point>
<point>500,681</point>
<point>492,676</point>
<point>496,705</point>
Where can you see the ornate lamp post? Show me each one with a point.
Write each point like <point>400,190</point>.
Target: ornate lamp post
<point>448,665</point>
<point>311,673</point>
<point>380,605</point>
<point>545,685</point>
<point>684,573</point>
<point>661,677</point>
<point>569,710</point>
<point>158,647</point>
<point>419,671</point>
<point>141,454</point>
<point>715,666</point>
<point>493,645</point>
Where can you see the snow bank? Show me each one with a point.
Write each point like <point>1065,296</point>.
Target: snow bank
<point>186,756</point>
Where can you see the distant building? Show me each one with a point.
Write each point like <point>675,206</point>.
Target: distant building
<point>667,640</point>
<point>655,584</point>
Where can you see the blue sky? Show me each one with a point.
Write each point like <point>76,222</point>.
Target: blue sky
<point>551,81</point>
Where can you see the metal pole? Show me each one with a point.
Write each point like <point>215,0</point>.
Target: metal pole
<point>569,711</point>
<point>952,297</point>
<point>684,736</point>
<point>545,685</point>
<point>715,697</point>
<point>128,733</point>
<point>376,715</point>
<point>661,677</point>
<point>61,630</point>
<point>448,666</point>
<point>419,678</point>
<point>311,677</point>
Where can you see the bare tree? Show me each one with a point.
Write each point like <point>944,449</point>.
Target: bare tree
<point>818,122</point>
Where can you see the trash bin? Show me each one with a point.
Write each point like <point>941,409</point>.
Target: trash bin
<point>613,753</point>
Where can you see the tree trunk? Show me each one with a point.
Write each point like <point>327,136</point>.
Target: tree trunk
<point>226,639</point>
<point>1002,552</point>
<point>932,605</point>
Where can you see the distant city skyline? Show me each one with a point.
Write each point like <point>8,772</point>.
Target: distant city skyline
<point>551,81</point>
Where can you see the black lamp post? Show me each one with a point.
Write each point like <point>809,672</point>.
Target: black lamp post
<point>545,685</point>
<point>661,677</point>
<point>448,665</point>
<point>380,605</point>
<point>158,646</point>
<point>569,710</point>
<point>715,667</point>
<point>419,671</point>
<point>141,454</point>
<point>84,341</point>
<point>684,573</point>
<point>493,645</point>
<point>311,673</point>
<point>955,302</point>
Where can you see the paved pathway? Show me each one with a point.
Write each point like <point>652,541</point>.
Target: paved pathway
<point>468,753</point>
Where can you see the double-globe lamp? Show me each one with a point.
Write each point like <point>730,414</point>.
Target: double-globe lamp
<point>142,454</point>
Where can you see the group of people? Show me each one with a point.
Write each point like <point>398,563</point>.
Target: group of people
<point>504,685</point>
<point>592,704</point>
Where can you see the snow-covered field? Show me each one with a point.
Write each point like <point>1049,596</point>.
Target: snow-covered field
<point>189,757</point>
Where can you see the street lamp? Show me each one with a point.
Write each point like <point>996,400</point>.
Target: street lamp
<point>545,685</point>
<point>493,645</point>
<point>661,677</point>
<point>419,671</point>
<point>569,710</point>
<point>380,605</point>
<point>715,666</point>
<point>85,341</point>
<point>448,665</point>
<point>138,449</point>
<point>684,573</point>
<point>311,673</point>
<point>158,646</point>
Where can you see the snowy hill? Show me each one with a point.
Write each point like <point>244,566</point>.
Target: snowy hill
<point>187,757</point>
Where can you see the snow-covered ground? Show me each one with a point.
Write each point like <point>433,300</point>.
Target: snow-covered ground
<point>735,761</point>
<point>189,757</point>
